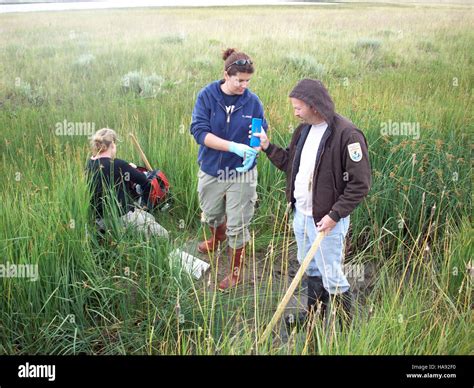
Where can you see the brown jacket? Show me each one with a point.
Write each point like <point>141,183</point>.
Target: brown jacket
<point>342,174</point>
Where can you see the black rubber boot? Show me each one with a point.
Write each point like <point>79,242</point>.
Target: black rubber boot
<point>316,293</point>
<point>297,320</point>
<point>347,307</point>
<point>343,308</point>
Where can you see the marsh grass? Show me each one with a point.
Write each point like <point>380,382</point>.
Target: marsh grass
<point>120,294</point>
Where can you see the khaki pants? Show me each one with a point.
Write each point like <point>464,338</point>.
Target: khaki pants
<point>230,197</point>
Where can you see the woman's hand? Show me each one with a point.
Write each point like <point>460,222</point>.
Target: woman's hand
<point>242,150</point>
<point>248,162</point>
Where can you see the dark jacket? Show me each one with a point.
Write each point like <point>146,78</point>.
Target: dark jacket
<point>341,179</point>
<point>209,115</point>
<point>107,176</point>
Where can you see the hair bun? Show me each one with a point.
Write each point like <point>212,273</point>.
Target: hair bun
<point>97,138</point>
<point>102,139</point>
<point>227,53</point>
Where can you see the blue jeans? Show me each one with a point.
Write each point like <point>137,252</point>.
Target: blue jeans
<point>328,260</point>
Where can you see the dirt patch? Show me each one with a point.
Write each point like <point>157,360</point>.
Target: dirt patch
<point>259,270</point>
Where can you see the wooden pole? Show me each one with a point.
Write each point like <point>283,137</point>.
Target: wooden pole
<point>140,151</point>
<point>293,285</point>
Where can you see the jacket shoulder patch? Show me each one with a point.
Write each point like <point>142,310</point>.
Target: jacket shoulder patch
<point>355,152</point>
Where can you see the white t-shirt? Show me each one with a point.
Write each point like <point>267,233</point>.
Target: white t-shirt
<point>303,192</point>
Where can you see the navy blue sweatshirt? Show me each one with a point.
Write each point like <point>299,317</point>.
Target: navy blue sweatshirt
<point>210,116</point>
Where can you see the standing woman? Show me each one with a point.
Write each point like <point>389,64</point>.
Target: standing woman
<point>227,184</point>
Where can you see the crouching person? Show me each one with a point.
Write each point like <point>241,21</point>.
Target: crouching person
<point>109,180</point>
<point>328,175</point>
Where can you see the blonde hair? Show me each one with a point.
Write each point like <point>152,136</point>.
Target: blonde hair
<point>102,140</point>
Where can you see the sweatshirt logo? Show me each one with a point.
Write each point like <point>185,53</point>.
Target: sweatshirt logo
<point>355,152</point>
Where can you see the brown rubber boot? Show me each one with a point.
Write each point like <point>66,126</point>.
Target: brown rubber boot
<point>217,235</point>
<point>236,262</point>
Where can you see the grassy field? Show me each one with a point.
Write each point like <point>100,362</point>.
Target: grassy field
<point>139,70</point>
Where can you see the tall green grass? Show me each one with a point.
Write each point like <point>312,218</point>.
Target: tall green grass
<point>121,294</point>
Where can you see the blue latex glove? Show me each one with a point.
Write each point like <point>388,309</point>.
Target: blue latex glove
<point>248,162</point>
<point>242,150</point>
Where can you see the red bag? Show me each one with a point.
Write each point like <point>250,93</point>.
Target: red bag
<point>159,192</point>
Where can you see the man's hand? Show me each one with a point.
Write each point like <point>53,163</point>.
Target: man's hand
<point>326,224</point>
<point>264,142</point>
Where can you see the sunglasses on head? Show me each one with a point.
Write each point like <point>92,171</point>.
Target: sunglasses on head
<point>240,62</point>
